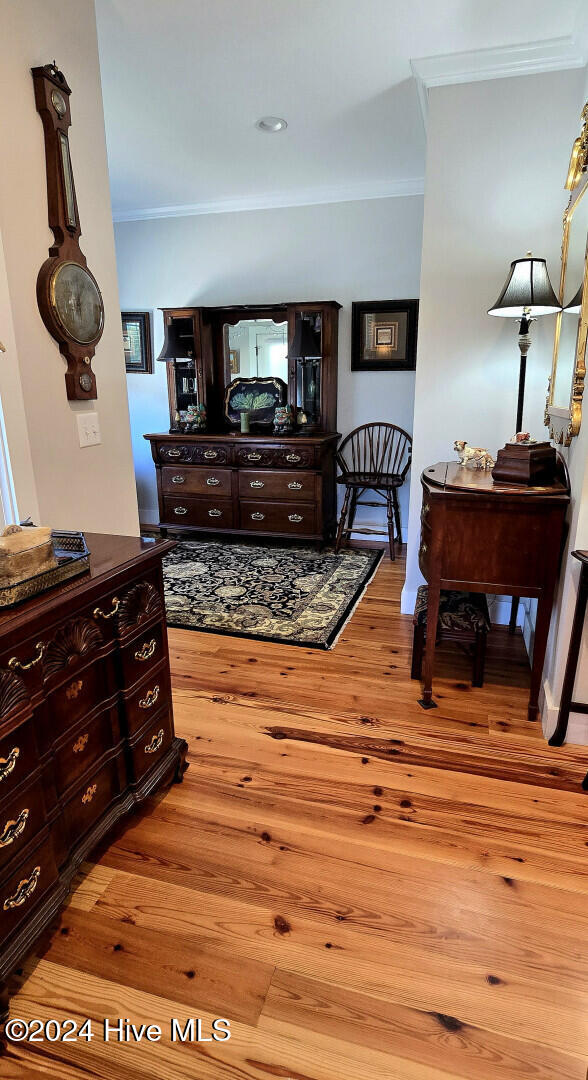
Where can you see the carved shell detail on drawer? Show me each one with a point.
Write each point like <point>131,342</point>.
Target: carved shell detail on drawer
<point>139,603</point>
<point>73,640</point>
<point>13,692</point>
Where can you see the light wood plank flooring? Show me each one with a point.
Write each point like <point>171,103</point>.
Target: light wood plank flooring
<point>367,891</point>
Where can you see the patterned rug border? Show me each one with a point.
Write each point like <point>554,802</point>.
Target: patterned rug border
<point>376,554</point>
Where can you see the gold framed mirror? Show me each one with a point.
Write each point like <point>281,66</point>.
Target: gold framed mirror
<point>563,413</point>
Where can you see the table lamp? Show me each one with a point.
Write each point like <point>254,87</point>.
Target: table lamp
<point>526,295</point>
<point>306,351</point>
<point>177,348</point>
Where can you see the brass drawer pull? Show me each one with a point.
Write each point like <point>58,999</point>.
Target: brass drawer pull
<point>256,483</point>
<point>211,481</point>
<point>150,698</point>
<point>26,888</point>
<point>215,513</point>
<point>174,453</point>
<point>73,691</point>
<point>17,665</point>
<point>253,457</point>
<point>296,518</point>
<point>293,458</point>
<point>146,651</point>
<point>13,829</point>
<point>180,510</point>
<point>178,479</point>
<point>7,764</point>
<point>99,614</point>
<point>422,548</point>
<point>153,746</point>
<point>295,486</point>
<point>81,743</point>
<point>210,455</point>
<point>89,794</point>
<point>257,516</point>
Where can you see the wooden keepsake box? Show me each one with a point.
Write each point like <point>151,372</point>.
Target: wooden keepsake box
<point>525,463</point>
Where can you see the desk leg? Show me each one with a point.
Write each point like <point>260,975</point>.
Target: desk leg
<point>426,702</point>
<point>542,622</point>
<point>567,689</point>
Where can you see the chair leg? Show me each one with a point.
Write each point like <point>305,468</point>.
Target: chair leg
<point>479,658</point>
<point>390,513</point>
<point>341,528</point>
<point>352,510</point>
<point>418,646</point>
<point>397,515</point>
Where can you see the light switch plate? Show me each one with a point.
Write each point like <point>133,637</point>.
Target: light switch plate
<point>89,429</point>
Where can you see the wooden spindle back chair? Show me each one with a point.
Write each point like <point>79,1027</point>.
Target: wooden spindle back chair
<point>373,457</point>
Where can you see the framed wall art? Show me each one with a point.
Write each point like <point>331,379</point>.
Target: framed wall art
<point>384,335</point>
<point>136,327</point>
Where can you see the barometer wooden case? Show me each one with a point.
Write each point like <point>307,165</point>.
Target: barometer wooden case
<point>68,295</point>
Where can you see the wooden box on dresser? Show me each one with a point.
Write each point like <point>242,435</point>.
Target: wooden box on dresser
<point>281,486</point>
<point>86,728</point>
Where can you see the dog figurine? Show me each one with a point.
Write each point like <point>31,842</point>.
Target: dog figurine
<point>474,456</point>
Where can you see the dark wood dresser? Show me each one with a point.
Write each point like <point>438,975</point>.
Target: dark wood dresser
<point>86,727</point>
<point>270,485</point>
<point>480,535</point>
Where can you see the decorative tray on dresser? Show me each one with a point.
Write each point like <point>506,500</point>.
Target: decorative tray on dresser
<point>86,728</point>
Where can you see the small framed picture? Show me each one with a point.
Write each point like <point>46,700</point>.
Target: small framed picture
<point>136,328</point>
<point>384,335</point>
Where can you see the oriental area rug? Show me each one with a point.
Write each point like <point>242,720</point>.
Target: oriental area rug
<point>294,595</point>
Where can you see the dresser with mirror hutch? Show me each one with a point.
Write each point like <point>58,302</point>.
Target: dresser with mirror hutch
<point>225,480</point>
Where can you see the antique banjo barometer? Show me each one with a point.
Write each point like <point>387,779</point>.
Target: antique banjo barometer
<point>68,296</point>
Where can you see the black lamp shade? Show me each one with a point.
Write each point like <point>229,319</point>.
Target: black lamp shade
<point>527,291</point>
<point>175,346</point>
<point>306,342</point>
<point>575,305</point>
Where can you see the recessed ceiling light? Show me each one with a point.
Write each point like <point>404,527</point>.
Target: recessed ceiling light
<point>271,124</point>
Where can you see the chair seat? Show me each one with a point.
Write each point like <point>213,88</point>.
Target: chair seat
<point>371,480</point>
<point>465,611</point>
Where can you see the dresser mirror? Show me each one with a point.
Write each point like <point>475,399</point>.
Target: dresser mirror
<point>255,348</point>
<point>566,385</point>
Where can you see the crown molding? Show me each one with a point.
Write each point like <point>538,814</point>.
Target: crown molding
<point>479,65</point>
<point>386,189</point>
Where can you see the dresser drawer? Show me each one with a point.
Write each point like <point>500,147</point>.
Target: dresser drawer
<point>194,453</point>
<point>83,746</point>
<point>25,887</point>
<point>149,697</point>
<point>275,456</point>
<point>289,518</point>
<point>210,513</point>
<point>18,758</point>
<point>83,692</point>
<point>90,801</point>
<point>21,819</point>
<point>150,746</point>
<point>196,480</point>
<point>141,655</point>
<point>290,486</point>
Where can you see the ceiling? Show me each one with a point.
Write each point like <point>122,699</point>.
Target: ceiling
<point>184,82</point>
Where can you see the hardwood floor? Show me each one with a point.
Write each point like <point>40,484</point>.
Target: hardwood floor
<point>365,890</point>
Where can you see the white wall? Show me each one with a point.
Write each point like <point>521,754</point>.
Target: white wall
<point>91,488</point>
<point>496,163</point>
<point>366,250</point>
